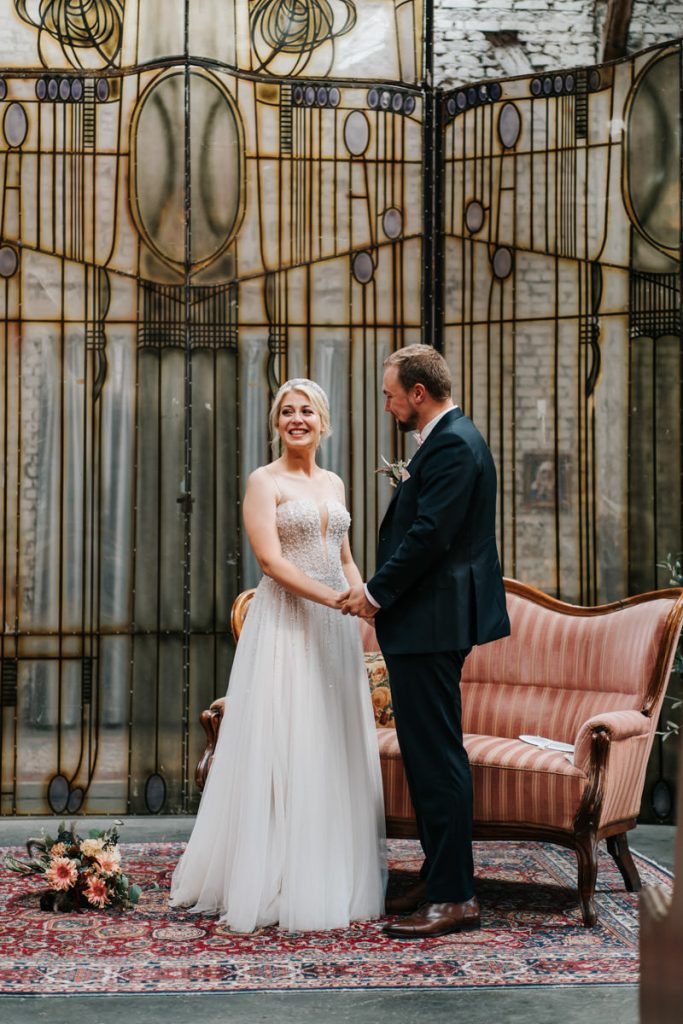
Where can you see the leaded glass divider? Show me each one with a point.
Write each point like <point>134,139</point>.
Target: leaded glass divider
<point>562,314</point>
<point>200,199</point>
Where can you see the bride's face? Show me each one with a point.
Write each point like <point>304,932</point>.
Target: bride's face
<point>298,422</point>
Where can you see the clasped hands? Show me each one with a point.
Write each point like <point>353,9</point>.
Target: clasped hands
<point>354,601</point>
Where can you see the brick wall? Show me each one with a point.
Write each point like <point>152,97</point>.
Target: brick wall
<point>500,38</point>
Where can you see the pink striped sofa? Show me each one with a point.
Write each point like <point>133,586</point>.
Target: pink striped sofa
<point>591,677</point>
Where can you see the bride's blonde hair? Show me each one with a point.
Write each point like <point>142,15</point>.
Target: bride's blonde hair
<point>315,395</point>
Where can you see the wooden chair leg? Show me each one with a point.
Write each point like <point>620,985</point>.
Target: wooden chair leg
<point>587,858</point>
<point>618,847</point>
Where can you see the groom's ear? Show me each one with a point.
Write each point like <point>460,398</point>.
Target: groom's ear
<point>419,393</point>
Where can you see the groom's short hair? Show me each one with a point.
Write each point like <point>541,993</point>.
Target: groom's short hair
<point>422,364</point>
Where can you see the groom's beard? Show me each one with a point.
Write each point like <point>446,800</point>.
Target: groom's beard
<point>406,426</point>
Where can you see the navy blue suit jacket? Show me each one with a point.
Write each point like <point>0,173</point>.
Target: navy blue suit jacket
<point>438,581</point>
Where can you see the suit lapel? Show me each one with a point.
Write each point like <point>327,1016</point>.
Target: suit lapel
<point>394,496</point>
<point>450,417</point>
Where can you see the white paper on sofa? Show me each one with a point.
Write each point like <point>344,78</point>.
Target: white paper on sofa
<point>543,741</point>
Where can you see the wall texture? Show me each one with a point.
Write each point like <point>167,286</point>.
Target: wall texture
<point>499,38</point>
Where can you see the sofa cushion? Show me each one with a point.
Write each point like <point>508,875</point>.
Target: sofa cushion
<point>517,782</point>
<point>513,781</point>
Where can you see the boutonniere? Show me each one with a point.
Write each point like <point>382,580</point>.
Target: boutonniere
<point>395,471</point>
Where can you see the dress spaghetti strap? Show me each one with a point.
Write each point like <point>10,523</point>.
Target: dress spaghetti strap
<point>274,479</point>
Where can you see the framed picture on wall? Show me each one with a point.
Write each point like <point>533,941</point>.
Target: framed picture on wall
<point>546,480</point>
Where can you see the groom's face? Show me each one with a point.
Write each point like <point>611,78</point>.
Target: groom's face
<point>399,402</point>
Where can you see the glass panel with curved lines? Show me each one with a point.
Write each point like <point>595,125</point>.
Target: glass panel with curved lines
<point>201,197</point>
<point>562,314</point>
<point>204,197</point>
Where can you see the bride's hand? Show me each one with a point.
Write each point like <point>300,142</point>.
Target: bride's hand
<point>340,598</point>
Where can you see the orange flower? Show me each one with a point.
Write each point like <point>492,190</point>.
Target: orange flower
<point>109,861</point>
<point>95,892</point>
<point>58,850</point>
<point>61,874</point>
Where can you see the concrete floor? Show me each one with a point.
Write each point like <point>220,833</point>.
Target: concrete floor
<point>583,1004</point>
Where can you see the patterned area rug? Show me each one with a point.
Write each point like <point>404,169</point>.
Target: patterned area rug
<point>531,935</point>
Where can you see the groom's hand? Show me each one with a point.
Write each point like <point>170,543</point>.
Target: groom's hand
<point>355,602</point>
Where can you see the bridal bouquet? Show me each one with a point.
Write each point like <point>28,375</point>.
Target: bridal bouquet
<point>80,873</point>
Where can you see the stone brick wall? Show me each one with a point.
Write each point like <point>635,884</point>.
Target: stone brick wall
<point>477,39</point>
<point>654,21</point>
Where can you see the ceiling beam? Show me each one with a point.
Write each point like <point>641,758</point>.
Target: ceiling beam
<point>615,33</point>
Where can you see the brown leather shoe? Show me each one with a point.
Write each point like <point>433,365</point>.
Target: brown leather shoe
<point>407,901</point>
<point>434,919</point>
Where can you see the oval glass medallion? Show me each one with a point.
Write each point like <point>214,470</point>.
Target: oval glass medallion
<point>15,125</point>
<point>216,168</point>
<point>661,799</point>
<point>653,170</point>
<point>58,794</point>
<point>363,267</point>
<point>392,222</point>
<point>356,133</point>
<point>155,793</point>
<point>75,801</point>
<point>509,125</point>
<point>9,261</point>
<point>502,263</point>
<point>474,216</point>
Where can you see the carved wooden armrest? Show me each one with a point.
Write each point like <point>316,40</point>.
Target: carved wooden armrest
<point>211,722</point>
<point>591,755</point>
<point>616,725</point>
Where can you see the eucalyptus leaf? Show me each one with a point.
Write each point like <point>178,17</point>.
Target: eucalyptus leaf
<point>18,865</point>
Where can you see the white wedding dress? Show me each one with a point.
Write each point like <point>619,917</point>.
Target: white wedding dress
<point>290,828</point>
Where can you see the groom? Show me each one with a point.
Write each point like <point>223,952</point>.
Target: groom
<point>438,590</point>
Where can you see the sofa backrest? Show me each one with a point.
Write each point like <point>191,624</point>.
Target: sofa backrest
<point>562,664</point>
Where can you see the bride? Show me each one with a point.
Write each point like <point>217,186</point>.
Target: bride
<point>290,828</point>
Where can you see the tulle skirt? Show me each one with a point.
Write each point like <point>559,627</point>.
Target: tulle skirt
<point>290,829</point>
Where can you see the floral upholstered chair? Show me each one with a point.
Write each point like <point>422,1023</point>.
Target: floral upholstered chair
<point>589,681</point>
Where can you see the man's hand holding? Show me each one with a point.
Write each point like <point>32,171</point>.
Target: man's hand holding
<point>354,602</point>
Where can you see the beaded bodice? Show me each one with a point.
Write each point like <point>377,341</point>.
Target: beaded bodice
<point>311,537</point>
